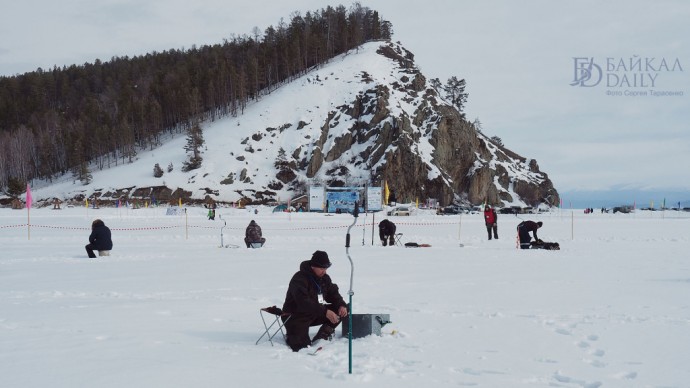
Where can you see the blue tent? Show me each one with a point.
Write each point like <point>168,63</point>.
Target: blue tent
<point>280,208</point>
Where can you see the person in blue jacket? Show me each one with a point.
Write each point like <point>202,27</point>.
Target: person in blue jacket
<point>100,239</point>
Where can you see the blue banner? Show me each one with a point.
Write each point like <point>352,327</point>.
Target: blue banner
<point>342,201</point>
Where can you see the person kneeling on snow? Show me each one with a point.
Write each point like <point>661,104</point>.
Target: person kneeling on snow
<point>99,240</point>
<point>312,299</point>
<point>387,232</point>
<point>523,230</point>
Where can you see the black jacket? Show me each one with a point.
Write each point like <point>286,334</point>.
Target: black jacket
<point>253,232</point>
<point>529,226</point>
<point>302,293</point>
<point>100,237</point>
<point>386,228</point>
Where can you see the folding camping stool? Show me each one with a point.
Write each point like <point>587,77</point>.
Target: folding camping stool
<point>277,315</point>
<point>398,239</point>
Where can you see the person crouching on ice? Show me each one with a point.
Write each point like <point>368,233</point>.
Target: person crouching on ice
<point>387,232</point>
<point>99,240</point>
<point>523,230</point>
<point>312,299</point>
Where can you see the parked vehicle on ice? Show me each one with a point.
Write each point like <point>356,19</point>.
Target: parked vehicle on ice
<point>400,211</point>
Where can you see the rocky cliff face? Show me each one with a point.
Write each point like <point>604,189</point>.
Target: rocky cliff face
<point>404,133</point>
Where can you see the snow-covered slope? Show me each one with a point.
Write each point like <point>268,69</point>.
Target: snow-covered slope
<point>362,118</point>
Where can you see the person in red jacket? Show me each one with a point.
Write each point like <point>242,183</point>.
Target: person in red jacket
<point>491,221</point>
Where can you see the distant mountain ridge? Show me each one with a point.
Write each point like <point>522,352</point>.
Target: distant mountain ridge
<point>640,198</point>
<point>366,117</point>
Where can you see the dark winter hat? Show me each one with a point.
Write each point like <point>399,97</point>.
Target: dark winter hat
<point>320,259</point>
<point>540,223</point>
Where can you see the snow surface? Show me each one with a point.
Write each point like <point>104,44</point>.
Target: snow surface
<point>170,308</point>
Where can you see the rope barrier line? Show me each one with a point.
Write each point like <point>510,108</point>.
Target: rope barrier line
<point>218,227</point>
<point>13,226</point>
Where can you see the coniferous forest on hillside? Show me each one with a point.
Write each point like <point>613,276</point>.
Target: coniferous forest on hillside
<point>78,117</point>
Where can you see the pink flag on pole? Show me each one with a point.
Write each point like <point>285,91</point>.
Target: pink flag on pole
<point>28,196</point>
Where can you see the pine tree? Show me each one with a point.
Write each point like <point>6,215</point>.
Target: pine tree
<point>82,173</point>
<point>195,140</point>
<point>157,171</point>
<point>497,140</point>
<point>455,93</point>
<point>436,84</point>
<point>15,187</point>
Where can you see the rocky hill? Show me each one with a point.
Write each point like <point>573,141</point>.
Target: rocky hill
<point>368,116</point>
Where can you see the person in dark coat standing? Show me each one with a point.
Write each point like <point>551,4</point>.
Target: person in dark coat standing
<point>491,221</point>
<point>99,240</point>
<point>253,234</point>
<point>312,299</point>
<point>523,232</point>
<point>387,232</point>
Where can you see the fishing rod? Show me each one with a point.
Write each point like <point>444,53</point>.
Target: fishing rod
<point>355,213</point>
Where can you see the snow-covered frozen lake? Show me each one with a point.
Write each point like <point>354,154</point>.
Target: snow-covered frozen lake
<point>170,308</point>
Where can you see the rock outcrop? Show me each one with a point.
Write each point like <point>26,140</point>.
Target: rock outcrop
<point>425,151</point>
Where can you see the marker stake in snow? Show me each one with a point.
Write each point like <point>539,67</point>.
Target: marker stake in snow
<point>459,230</point>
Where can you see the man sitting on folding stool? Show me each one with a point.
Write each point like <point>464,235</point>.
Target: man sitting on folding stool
<point>312,299</point>
<point>252,235</point>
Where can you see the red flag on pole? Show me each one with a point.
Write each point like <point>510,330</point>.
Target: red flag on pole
<point>28,196</point>
<point>28,210</point>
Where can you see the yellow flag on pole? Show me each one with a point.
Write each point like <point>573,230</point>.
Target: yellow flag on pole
<point>86,203</point>
<point>386,193</point>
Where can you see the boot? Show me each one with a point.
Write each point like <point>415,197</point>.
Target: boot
<point>325,333</point>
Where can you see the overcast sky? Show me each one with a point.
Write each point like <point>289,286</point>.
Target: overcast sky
<point>598,92</point>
